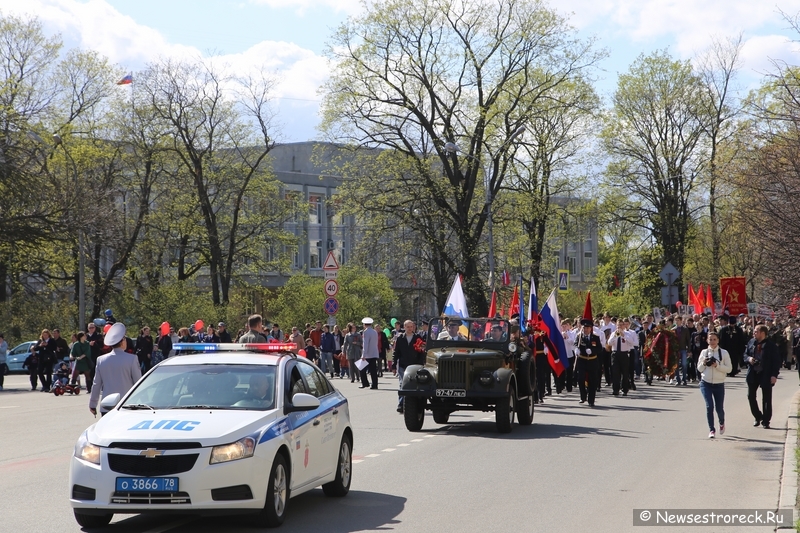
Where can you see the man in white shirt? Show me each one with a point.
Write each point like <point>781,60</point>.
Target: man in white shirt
<point>620,346</point>
<point>569,341</point>
<point>369,354</point>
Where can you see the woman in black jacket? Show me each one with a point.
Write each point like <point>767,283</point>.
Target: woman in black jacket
<point>46,357</point>
<point>144,349</point>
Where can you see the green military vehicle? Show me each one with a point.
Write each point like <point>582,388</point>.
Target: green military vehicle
<point>471,364</point>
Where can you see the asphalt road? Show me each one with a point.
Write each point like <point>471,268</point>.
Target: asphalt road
<point>575,469</point>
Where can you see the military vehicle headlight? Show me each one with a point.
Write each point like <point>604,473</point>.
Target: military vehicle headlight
<point>512,347</point>
<point>486,378</point>
<point>423,376</point>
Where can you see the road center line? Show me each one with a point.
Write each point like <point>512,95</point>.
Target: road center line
<point>388,450</point>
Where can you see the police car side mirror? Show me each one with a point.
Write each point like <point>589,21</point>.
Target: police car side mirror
<point>109,402</point>
<point>303,402</point>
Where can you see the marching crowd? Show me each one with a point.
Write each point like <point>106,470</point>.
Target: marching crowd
<point>602,350</point>
<point>618,350</point>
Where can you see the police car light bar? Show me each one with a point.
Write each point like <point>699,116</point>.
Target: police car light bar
<point>231,347</point>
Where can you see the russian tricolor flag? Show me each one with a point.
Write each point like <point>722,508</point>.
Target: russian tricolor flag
<point>126,80</point>
<point>551,325</point>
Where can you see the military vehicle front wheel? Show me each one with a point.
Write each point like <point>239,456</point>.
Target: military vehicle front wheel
<point>441,417</point>
<point>525,411</point>
<point>414,413</point>
<point>504,412</point>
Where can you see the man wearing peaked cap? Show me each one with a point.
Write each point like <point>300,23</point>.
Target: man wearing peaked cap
<point>116,371</point>
<point>589,348</point>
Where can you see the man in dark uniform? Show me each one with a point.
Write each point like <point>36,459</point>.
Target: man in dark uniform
<point>764,364</point>
<point>590,348</point>
<point>731,339</point>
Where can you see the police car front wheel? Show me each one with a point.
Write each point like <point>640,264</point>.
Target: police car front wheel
<point>274,510</point>
<point>344,470</point>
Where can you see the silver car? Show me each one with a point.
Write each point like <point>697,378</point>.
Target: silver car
<point>17,355</point>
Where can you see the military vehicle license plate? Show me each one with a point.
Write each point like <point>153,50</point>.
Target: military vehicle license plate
<point>451,393</point>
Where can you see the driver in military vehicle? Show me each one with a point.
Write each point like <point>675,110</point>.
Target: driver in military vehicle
<point>452,333</point>
<point>497,334</point>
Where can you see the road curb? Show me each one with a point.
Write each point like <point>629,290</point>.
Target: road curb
<point>788,493</point>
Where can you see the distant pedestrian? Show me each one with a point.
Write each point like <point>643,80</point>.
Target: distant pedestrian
<point>369,354</point>
<point>223,333</point>
<point>353,343</point>
<point>3,363</point>
<point>763,362</point>
<point>407,352</point>
<point>714,364</point>
<point>81,353</point>
<point>254,333</point>
<point>327,349</point>
<point>144,349</point>
<point>46,358</point>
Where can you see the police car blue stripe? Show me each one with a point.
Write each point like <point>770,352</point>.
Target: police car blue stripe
<point>299,419</point>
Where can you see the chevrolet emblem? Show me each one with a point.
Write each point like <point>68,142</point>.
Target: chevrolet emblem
<point>151,453</point>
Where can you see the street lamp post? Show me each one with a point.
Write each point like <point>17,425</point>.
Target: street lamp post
<point>451,148</point>
<point>81,259</point>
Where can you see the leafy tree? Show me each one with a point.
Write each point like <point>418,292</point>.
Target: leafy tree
<point>361,294</point>
<point>220,130</point>
<point>410,77</point>
<point>654,135</point>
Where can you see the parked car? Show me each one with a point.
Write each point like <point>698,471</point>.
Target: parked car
<point>17,355</point>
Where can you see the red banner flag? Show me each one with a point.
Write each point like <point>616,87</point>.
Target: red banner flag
<point>734,294</point>
<point>513,307</point>
<point>710,301</point>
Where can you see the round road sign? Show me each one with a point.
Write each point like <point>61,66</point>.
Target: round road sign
<point>331,287</point>
<point>331,306</point>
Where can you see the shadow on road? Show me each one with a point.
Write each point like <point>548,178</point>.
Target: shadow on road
<point>488,429</point>
<point>311,512</point>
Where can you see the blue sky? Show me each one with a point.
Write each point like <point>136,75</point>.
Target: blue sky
<point>287,37</point>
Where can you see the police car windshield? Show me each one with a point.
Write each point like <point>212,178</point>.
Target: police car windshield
<point>471,329</point>
<point>212,386</point>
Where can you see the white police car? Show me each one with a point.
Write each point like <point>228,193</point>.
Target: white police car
<point>235,428</point>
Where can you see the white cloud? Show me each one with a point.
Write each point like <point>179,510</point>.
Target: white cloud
<point>351,7</point>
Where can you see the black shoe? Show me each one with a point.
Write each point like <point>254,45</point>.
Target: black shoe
<point>582,401</point>
<point>615,393</point>
<point>400,409</point>
<point>756,423</point>
<point>548,393</point>
<point>362,386</point>
<point>765,424</point>
<point>591,405</point>
<point>373,388</point>
<point>624,393</point>
<point>633,387</point>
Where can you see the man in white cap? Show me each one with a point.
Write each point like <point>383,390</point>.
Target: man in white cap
<point>116,371</point>
<point>369,354</point>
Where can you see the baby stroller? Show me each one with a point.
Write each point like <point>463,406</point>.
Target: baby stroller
<point>61,384</point>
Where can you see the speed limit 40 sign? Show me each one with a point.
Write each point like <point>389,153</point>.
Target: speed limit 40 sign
<point>331,287</point>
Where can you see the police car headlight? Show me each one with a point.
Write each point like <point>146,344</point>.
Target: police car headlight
<point>241,449</point>
<point>86,450</point>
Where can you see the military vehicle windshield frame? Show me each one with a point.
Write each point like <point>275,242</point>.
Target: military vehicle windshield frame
<point>468,332</point>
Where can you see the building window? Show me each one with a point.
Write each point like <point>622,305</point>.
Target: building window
<point>338,251</point>
<point>314,209</point>
<point>315,254</point>
<point>588,261</point>
<point>291,198</point>
<point>572,265</point>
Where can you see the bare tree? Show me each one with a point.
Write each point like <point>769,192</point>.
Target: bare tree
<point>412,76</point>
